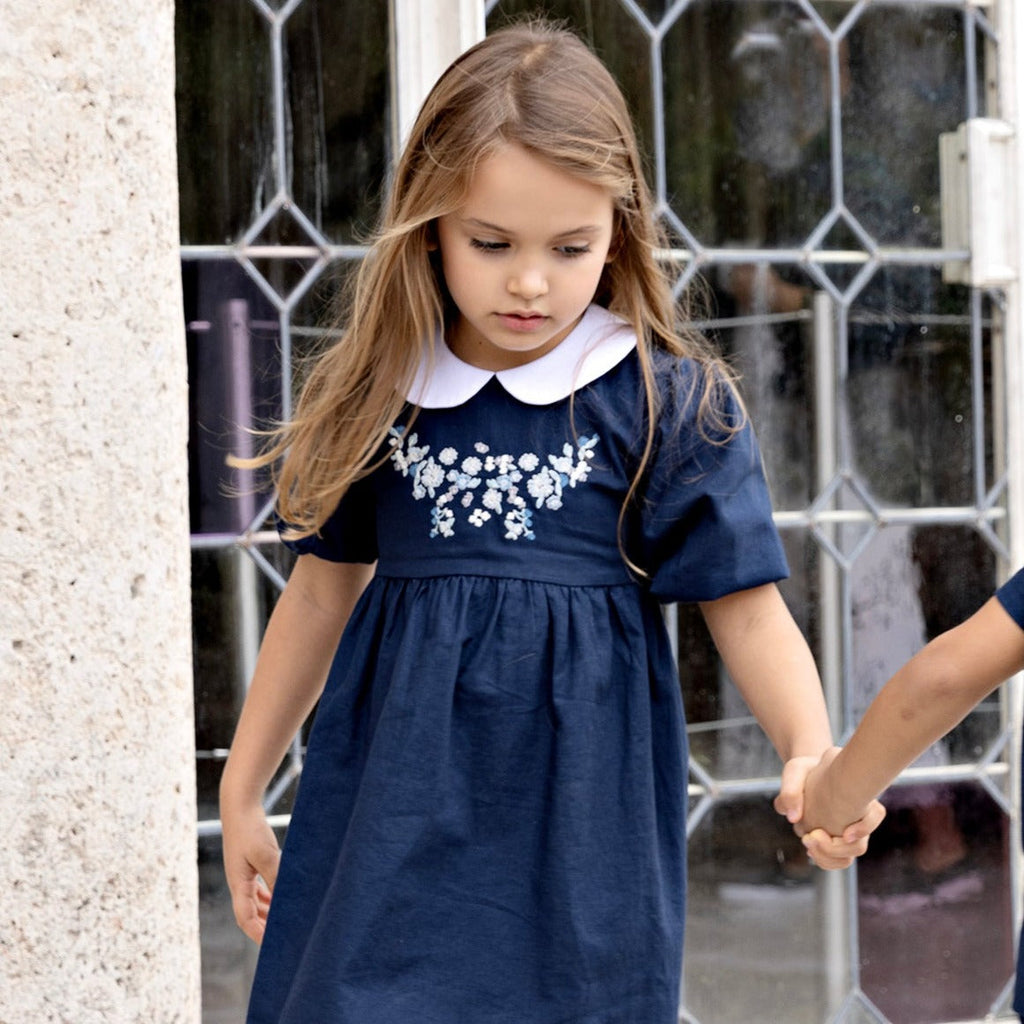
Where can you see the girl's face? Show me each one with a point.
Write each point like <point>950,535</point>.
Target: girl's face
<point>522,258</point>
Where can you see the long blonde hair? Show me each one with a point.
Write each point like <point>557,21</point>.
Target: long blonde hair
<point>537,86</point>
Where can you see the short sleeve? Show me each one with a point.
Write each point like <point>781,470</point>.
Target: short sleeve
<point>1011,597</point>
<point>706,517</point>
<point>350,532</point>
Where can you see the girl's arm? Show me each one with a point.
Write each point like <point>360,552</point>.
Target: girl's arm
<point>298,646</point>
<point>772,666</point>
<point>920,704</point>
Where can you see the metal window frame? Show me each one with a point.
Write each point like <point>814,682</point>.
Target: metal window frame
<point>426,36</point>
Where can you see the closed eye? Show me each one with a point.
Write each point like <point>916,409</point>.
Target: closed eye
<point>571,251</point>
<point>486,246</point>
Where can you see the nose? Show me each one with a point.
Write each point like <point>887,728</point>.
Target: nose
<point>528,282</point>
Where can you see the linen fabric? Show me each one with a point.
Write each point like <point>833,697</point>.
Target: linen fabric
<point>491,820</point>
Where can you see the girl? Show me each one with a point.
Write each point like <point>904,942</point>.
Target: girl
<point>510,457</point>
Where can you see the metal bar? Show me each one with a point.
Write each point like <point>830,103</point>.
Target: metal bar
<point>242,251</point>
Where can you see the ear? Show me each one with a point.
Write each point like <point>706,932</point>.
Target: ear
<point>430,237</point>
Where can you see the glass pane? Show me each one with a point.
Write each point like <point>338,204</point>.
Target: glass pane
<point>908,585</point>
<point>234,369</point>
<point>936,931</point>
<point>746,123</point>
<point>337,88</point>
<point>228,957</point>
<point>314,310</point>
<point>231,601</point>
<point>754,947</point>
<point>761,322</point>
<point>335,106</point>
<point>225,125</point>
<point>906,69</point>
<point>654,9</point>
<point>911,419</point>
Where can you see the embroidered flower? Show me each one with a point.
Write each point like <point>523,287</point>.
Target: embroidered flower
<point>462,481</point>
<point>444,522</point>
<point>430,476</point>
<point>502,475</point>
<point>517,525</point>
<point>405,459</point>
<point>542,485</point>
<point>491,498</point>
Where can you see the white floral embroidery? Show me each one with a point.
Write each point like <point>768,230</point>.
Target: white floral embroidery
<point>500,492</point>
<point>429,476</point>
<point>491,498</point>
<point>542,485</point>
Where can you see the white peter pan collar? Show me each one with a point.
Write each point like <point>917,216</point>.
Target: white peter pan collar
<point>599,341</point>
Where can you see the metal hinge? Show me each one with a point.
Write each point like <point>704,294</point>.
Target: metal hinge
<point>976,182</point>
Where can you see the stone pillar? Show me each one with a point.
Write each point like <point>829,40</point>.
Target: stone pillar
<point>98,920</point>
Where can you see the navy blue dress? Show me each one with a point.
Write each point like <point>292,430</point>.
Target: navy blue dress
<point>491,822</point>
<point>1011,597</point>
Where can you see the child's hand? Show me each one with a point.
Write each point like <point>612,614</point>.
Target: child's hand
<point>251,856</point>
<point>805,808</point>
<point>836,852</point>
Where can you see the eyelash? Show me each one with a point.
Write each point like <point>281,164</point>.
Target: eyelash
<point>569,252</point>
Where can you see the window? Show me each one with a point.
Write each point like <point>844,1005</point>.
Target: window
<point>793,149</point>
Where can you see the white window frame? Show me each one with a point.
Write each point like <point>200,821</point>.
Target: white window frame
<point>427,35</point>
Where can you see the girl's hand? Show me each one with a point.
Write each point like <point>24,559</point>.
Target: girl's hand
<point>833,852</point>
<point>790,800</point>
<point>797,791</point>
<point>251,856</point>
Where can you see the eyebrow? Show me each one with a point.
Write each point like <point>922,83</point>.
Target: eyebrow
<point>583,229</point>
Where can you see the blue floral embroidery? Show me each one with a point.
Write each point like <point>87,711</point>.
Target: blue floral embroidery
<point>489,486</point>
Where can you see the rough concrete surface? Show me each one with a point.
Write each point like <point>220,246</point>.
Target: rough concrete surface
<point>98,921</point>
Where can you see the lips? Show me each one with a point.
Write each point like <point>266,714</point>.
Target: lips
<point>522,321</point>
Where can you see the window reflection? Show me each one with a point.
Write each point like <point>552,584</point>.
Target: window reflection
<point>336,81</point>
<point>225,125</point>
<point>934,907</point>
<point>752,93</point>
<point>749,886</point>
<point>332,125</point>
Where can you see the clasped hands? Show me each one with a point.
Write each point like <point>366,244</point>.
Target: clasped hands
<point>834,831</point>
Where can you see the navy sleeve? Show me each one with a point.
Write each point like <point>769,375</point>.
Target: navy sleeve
<point>707,514</point>
<point>350,532</point>
<point>1011,597</point>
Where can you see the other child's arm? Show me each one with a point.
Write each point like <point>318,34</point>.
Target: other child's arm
<point>929,695</point>
<point>298,646</point>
